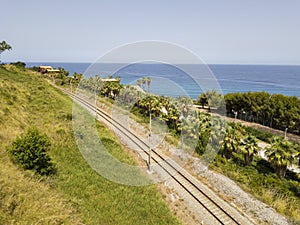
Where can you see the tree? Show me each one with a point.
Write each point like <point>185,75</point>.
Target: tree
<point>30,152</point>
<point>143,81</point>
<point>128,95</point>
<point>148,80</point>
<point>276,110</point>
<point>231,141</point>
<point>78,76</point>
<point>110,89</point>
<point>202,100</point>
<point>139,83</point>
<point>297,155</point>
<point>20,65</point>
<point>3,47</point>
<point>249,148</point>
<point>214,99</point>
<point>184,105</point>
<point>281,154</point>
<point>190,133</point>
<point>217,128</point>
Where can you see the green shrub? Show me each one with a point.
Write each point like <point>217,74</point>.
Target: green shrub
<point>20,65</point>
<point>261,135</point>
<point>30,152</point>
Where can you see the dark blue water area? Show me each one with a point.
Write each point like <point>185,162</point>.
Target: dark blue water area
<point>177,80</point>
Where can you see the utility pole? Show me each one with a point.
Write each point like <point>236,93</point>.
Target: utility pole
<point>148,80</point>
<point>285,132</point>
<point>150,134</point>
<point>235,114</point>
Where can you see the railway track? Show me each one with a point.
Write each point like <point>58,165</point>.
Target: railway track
<point>220,211</point>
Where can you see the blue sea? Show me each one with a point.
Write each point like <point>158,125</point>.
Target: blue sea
<point>177,80</point>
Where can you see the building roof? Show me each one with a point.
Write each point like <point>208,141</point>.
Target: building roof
<point>53,70</point>
<point>109,80</point>
<point>45,67</point>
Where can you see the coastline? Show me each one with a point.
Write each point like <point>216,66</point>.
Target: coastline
<point>232,78</point>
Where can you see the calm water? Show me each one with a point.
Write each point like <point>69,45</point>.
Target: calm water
<point>170,80</point>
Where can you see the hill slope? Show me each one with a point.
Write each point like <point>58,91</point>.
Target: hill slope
<point>76,194</point>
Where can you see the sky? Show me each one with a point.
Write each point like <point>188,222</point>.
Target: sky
<point>218,31</point>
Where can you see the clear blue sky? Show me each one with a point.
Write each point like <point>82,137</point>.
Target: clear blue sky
<point>219,31</point>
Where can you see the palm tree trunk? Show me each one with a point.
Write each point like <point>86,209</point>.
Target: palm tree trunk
<point>281,171</point>
<point>247,159</point>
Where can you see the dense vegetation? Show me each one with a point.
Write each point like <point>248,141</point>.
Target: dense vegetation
<point>179,117</point>
<point>276,110</point>
<point>272,110</point>
<point>75,194</point>
<point>238,158</point>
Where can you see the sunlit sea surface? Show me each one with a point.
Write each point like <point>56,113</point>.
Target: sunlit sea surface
<point>174,80</point>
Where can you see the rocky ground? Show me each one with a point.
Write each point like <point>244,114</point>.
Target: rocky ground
<point>229,190</point>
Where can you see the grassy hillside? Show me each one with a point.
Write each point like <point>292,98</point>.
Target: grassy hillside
<point>76,194</point>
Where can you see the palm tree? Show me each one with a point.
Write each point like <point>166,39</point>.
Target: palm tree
<point>184,105</point>
<point>143,82</point>
<point>150,103</point>
<point>249,148</point>
<point>138,83</point>
<point>231,141</point>
<point>281,154</point>
<point>190,133</point>
<point>97,85</point>
<point>216,127</point>
<point>148,80</point>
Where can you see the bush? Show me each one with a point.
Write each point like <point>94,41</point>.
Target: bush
<point>261,135</point>
<point>19,64</point>
<point>30,152</point>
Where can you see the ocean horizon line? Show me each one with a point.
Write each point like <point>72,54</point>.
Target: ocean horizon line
<point>125,63</point>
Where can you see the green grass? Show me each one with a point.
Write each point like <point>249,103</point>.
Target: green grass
<point>260,180</point>
<point>76,194</point>
<point>260,134</point>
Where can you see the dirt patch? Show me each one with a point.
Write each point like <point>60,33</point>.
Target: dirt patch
<point>178,206</point>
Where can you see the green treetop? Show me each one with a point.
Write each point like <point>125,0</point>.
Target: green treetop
<point>4,46</point>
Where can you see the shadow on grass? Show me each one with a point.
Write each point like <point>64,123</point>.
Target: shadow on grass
<point>238,160</point>
<point>290,175</point>
<point>264,167</point>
